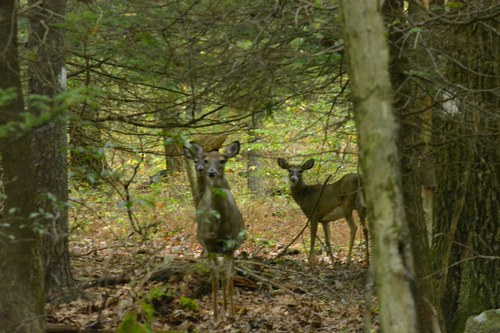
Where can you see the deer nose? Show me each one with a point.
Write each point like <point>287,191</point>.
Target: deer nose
<point>293,179</point>
<point>212,173</point>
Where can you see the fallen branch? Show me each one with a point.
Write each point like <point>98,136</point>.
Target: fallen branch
<point>61,328</point>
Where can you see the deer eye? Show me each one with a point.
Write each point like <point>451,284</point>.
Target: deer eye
<point>223,161</point>
<point>206,161</point>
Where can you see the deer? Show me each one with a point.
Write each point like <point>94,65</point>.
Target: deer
<point>195,153</point>
<point>220,227</point>
<point>337,200</point>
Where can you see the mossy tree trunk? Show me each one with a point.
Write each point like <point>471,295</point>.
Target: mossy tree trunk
<point>408,54</point>
<point>368,58</point>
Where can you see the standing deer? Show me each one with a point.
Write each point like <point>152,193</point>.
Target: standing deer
<point>220,225</point>
<point>337,200</point>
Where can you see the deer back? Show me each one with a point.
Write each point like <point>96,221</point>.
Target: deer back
<point>337,199</point>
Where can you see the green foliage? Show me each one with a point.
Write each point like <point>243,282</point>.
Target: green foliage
<point>202,268</point>
<point>189,304</point>
<point>454,5</point>
<point>157,49</point>
<point>7,95</point>
<point>130,324</point>
<point>207,215</point>
<point>48,109</point>
<point>270,243</point>
<point>219,192</point>
<point>157,293</point>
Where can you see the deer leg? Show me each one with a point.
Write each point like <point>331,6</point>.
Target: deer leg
<point>353,228</point>
<point>362,220</point>
<point>367,249</point>
<point>314,230</point>
<point>214,272</point>
<point>326,228</point>
<point>224,286</point>
<point>229,271</point>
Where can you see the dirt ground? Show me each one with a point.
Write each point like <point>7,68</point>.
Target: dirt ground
<point>162,284</point>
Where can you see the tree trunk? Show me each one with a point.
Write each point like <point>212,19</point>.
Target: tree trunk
<point>371,91</point>
<point>173,155</point>
<point>467,202</point>
<point>21,273</point>
<point>407,55</point>
<point>47,78</point>
<point>255,181</point>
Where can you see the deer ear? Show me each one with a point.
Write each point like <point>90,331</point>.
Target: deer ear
<point>193,150</point>
<point>233,149</point>
<point>282,163</point>
<point>198,150</point>
<point>308,164</point>
<point>188,152</point>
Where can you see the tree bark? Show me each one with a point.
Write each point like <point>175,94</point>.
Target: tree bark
<point>368,59</point>
<point>408,55</point>
<point>21,273</point>
<point>173,155</point>
<point>255,181</point>
<point>467,229</point>
<point>47,78</point>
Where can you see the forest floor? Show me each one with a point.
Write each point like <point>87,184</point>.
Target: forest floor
<point>160,283</point>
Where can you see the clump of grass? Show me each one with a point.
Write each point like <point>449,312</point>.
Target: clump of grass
<point>189,304</point>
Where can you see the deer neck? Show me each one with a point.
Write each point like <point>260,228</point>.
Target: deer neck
<point>298,189</point>
<point>216,182</point>
<point>302,193</point>
<point>202,182</point>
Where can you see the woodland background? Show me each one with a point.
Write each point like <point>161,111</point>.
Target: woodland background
<point>97,99</point>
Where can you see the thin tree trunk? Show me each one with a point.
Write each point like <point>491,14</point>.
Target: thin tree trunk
<point>255,180</point>
<point>368,59</point>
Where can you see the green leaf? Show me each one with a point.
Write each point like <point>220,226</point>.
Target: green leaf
<point>130,324</point>
<point>189,304</point>
<point>454,5</point>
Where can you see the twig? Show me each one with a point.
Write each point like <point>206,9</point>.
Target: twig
<point>258,277</point>
<point>291,271</point>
